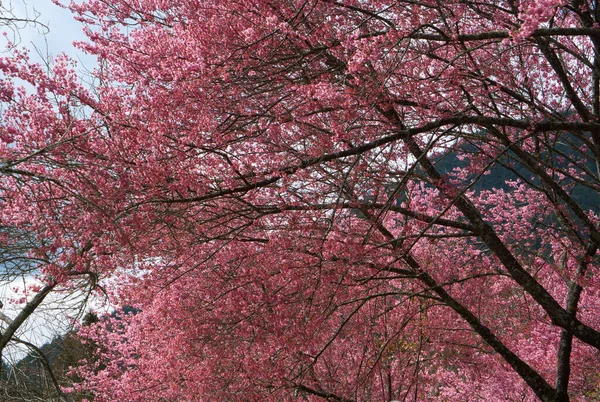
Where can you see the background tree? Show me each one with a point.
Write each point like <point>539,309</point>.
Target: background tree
<point>45,371</point>
<point>268,183</point>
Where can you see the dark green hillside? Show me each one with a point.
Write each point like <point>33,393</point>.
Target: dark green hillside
<point>510,169</point>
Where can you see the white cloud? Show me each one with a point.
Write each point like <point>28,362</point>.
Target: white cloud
<point>54,317</point>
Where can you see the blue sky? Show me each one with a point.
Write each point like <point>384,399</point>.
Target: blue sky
<point>62,30</point>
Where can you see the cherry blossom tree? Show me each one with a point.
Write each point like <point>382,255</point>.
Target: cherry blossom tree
<point>293,196</point>
<point>29,294</point>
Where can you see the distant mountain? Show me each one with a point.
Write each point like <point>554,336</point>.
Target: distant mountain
<point>29,379</point>
<point>497,176</point>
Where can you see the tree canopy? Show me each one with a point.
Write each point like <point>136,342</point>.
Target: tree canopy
<point>289,195</point>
